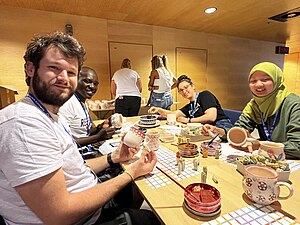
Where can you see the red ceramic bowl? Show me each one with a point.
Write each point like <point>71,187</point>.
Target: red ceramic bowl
<point>209,198</point>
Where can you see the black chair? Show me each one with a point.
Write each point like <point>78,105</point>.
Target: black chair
<point>2,220</point>
<point>232,114</point>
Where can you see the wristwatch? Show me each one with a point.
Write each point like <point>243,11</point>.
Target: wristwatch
<point>189,120</point>
<point>109,160</point>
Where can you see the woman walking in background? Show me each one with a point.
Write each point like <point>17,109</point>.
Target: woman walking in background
<point>126,85</point>
<point>161,82</point>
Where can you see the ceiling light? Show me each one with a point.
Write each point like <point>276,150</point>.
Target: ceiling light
<point>210,10</point>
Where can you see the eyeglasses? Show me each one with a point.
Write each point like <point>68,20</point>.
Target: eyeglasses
<point>184,88</point>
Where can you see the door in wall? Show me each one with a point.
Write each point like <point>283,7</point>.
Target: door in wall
<point>193,63</point>
<point>140,56</point>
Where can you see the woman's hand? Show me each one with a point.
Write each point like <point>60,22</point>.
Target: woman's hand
<point>143,165</point>
<point>153,110</point>
<point>183,119</point>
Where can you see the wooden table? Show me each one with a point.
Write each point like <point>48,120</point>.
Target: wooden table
<point>167,201</point>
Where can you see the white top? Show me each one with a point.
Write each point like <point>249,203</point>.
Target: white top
<point>125,80</point>
<point>76,116</point>
<point>32,146</point>
<point>165,80</point>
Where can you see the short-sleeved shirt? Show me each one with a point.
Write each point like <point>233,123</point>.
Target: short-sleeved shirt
<point>77,116</point>
<point>205,100</point>
<point>125,80</point>
<point>33,145</point>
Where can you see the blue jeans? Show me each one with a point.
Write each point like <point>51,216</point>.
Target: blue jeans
<point>162,100</point>
<point>224,123</point>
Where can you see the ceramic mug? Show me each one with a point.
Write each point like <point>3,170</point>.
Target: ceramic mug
<point>238,137</point>
<point>271,149</point>
<point>153,139</point>
<point>134,137</point>
<point>117,120</point>
<point>261,185</point>
<point>171,119</point>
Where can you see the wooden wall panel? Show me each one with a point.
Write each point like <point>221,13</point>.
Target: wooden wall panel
<point>292,72</point>
<point>229,59</point>
<point>193,63</point>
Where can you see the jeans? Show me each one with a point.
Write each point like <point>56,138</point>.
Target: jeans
<point>162,100</point>
<point>224,123</point>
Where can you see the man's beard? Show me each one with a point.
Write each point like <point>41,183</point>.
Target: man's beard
<point>44,93</point>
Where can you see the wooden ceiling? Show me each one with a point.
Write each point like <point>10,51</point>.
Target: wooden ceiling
<point>240,18</point>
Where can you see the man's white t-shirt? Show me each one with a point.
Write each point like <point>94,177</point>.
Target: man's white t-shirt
<point>32,146</point>
<point>76,116</point>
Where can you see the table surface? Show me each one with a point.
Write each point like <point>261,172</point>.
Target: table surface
<point>167,201</point>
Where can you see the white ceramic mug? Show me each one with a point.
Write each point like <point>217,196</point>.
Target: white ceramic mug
<point>261,185</point>
<point>238,137</point>
<point>271,149</point>
<point>171,119</point>
<point>153,139</point>
<point>134,137</point>
<point>117,120</point>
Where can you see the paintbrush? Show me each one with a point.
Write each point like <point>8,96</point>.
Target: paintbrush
<point>188,191</point>
<point>212,140</point>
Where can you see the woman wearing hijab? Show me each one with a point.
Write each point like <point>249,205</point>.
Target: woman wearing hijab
<point>273,110</point>
<point>203,107</point>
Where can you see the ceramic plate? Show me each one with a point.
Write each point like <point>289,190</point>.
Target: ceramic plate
<point>148,126</point>
<point>202,214</point>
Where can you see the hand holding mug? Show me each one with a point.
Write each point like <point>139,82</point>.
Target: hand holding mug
<point>144,164</point>
<point>134,137</point>
<point>106,133</point>
<point>123,153</point>
<point>238,137</point>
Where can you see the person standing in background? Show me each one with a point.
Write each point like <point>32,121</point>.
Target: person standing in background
<point>76,112</point>
<point>161,82</point>
<point>126,85</point>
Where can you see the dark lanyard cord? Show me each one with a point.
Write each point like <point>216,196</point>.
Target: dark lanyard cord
<point>268,132</point>
<point>193,107</point>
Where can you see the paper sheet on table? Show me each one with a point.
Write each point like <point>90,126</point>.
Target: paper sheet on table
<point>171,129</point>
<point>109,146</point>
<point>229,154</point>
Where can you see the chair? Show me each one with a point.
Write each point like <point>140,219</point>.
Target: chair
<point>2,220</point>
<point>232,114</point>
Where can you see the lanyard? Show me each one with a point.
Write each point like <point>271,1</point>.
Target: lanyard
<point>267,131</point>
<point>44,110</point>
<point>87,115</point>
<point>39,105</point>
<point>193,107</point>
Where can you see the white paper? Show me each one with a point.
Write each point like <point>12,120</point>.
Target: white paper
<point>109,146</point>
<point>171,129</point>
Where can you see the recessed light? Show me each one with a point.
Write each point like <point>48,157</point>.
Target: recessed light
<point>210,10</point>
